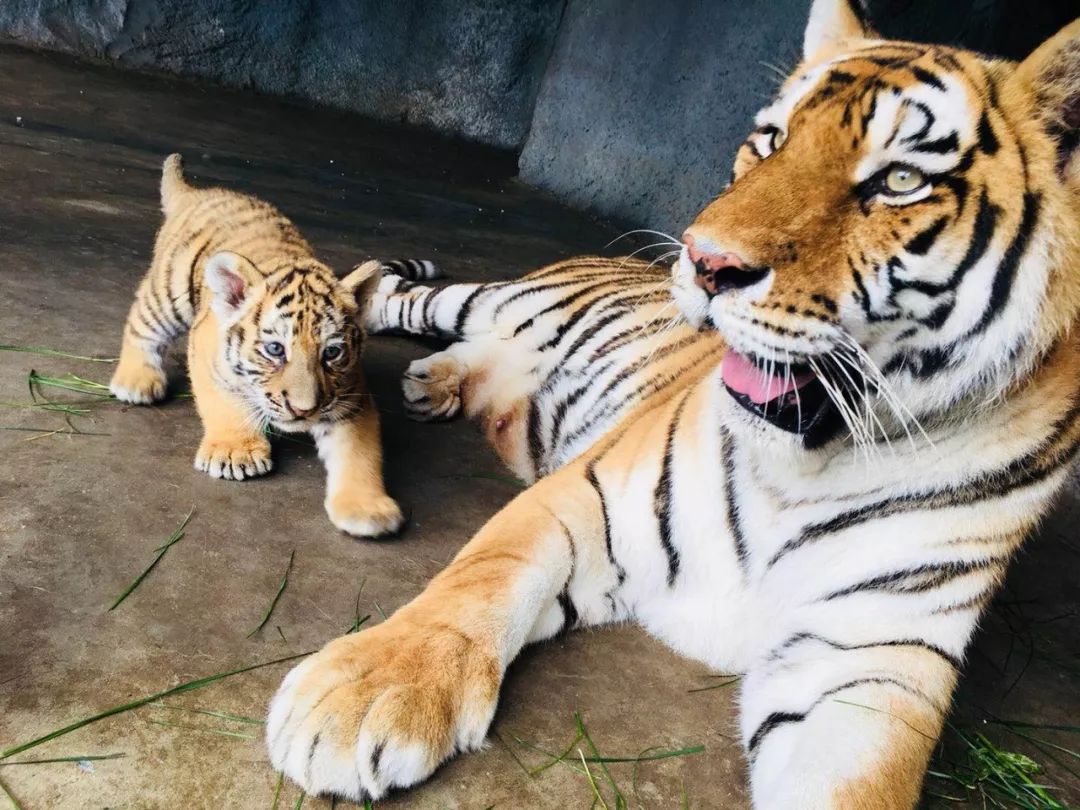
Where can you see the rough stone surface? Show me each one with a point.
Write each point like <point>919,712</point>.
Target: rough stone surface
<point>640,111</point>
<point>468,68</point>
<point>80,149</point>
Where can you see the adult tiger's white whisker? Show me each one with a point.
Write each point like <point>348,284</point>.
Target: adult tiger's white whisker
<point>630,256</point>
<point>855,426</point>
<point>791,380</point>
<point>883,386</point>
<point>872,419</point>
<point>670,239</point>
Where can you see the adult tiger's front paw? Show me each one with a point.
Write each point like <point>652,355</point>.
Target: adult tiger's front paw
<point>234,460</point>
<point>383,708</point>
<point>364,517</point>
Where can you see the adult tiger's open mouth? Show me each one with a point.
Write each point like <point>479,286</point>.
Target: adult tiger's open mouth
<point>788,396</point>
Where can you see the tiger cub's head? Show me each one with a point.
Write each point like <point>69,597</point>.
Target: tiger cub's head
<point>900,235</point>
<point>291,341</point>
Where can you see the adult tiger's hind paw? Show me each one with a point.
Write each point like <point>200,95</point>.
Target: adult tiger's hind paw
<point>382,709</point>
<point>432,388</point>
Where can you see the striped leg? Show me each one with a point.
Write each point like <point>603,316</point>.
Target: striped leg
<point>399,305</point>
<point>382,708</point>
<point>155,320</point>
<point>830,725</point>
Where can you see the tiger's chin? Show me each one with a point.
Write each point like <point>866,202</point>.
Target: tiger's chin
<point>786,397</point>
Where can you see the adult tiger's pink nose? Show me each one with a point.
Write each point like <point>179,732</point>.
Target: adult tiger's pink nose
<point>718,272</point>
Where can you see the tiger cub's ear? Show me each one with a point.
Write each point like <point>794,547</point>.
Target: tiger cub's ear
<point>230,278</point>
<point>832,24</point>
<point>360,284</point>
<point>1051,76</point>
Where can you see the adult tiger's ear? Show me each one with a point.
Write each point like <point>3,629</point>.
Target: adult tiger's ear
<point>361,284</point>
<point>1051,76</point>
<point>230,278</point>
<point>834,24</point>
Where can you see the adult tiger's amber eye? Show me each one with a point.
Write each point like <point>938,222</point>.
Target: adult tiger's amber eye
<point>904,180</point>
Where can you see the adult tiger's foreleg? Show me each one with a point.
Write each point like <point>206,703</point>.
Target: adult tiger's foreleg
<point>382,708</point>
<point>831,725</point>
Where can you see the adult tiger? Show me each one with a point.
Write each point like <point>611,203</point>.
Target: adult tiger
<point>896,256</point>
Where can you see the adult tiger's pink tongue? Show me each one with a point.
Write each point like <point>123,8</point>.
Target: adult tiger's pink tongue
<point>742,376</point>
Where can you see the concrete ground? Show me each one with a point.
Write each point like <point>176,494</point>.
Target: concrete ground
<point>81,515</point>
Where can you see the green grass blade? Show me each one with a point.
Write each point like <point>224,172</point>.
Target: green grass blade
<point>174,538</point>
<point>299,801</point>
<point>379,610</point>
<point>620,800</point>
<point>221,732</point>
<point>277,791</point>
<point>277,596</point>
<point>83,758</point>
<point>723,685</point>
<point>126,707</point>
<point>681,752</point>
<point>236,718</point>
<point>8,347</point>
<point>592,783</point>
<point>14,802</point>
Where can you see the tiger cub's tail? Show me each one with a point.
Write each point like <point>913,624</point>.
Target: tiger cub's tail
<point>173,185</point>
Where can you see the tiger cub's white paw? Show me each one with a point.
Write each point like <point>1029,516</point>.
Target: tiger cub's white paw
<point>234,460</point>
<point>432,388</point>
<point>364,517</point>
<point>138,384</point>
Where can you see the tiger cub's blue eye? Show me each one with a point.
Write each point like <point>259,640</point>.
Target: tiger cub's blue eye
<point>274,349</point>
<point>331,353</point>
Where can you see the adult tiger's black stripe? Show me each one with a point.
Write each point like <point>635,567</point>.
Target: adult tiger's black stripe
<point>563,328</point>
<point>988,141</point>
<point>798,638</point>
<point>590,333</point>
<point>662,500</point>
<point>734,521</point>
<point>915,580</point>
<point>922,242</point>
<point>530,288</point>
<point>645,389</point>
<point>927,77</point>
<point>1006,272</point>
<point>1031,468</point>
<point>465,309</point>
<point>536,449</point>
<point>940,146</point>
<point>560,304</point>
<point>590,476</point>
<point>426,318</point>
<point>768,724</point>
<point>780,718</point>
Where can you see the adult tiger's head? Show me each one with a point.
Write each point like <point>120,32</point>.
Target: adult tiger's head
<point>901,229</point>
<point>291,341</point>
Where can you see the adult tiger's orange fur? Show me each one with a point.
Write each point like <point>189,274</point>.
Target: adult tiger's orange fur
<point>275,340</point>
<point>821,487</point>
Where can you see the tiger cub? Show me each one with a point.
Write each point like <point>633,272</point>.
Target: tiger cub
<point>275,341</point>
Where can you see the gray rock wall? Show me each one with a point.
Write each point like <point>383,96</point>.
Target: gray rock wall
<point>632,109</point>
<point>643,104</point>
<point>468,68</point>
